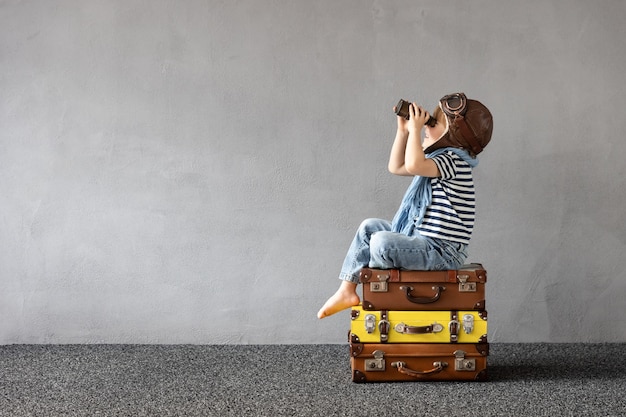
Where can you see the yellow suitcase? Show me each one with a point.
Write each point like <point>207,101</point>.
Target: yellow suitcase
<point>418,326</point>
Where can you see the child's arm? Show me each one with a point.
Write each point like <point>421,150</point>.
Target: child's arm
<point>396,158</point>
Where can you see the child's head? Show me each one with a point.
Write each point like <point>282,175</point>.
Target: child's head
<point>466,124</point>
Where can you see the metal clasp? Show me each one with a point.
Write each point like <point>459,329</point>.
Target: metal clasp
<point>376,364</point>
<point>465,286</point>
<point>468,323</point>
<point>381,284</point>
<point>462,364</point>
<point>370,323</point>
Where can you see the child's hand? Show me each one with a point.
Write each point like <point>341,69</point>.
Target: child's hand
<point>402,122</point>
<point>419,117</point>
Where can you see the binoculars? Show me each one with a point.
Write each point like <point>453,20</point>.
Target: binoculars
<point>402,110</point>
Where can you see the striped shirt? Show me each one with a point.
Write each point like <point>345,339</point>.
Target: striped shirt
<point>452,210</point>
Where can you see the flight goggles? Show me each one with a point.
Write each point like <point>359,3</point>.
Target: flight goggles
<point>453,105</point>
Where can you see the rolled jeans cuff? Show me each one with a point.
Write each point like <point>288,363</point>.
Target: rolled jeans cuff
<point>349,277</point>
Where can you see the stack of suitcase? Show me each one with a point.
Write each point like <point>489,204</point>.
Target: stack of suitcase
<point>420,325</point>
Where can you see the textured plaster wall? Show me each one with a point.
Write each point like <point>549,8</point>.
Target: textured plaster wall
<point>193,171</point>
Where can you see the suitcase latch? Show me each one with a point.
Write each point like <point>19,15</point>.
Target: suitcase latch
<point>381,284</point>
<point>465,286</point>
<point>468,323</point>
<point>462,364</point>
<point>378,286</point>
<point>370,323</point>
<point>453,327</point>
<point>376,364</point>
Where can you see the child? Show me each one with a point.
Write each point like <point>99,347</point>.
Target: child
<point>433,225</point>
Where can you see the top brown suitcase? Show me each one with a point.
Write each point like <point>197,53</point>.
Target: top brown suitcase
<point>397,289</point>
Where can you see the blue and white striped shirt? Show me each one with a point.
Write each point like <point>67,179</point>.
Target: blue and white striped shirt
<point>452,211</point>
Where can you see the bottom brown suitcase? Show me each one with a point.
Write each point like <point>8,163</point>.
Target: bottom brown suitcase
<point>386,362</point>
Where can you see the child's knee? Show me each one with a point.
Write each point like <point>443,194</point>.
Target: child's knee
<point>367,224</point>
<point>373,225</point>
<point>379,242</point>
<point>381,252</point>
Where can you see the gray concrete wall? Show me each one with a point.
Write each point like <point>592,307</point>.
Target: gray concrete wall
<point>194,171</point>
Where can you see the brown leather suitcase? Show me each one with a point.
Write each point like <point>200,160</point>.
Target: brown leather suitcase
<point>374,362</point>
<point>397,289</point>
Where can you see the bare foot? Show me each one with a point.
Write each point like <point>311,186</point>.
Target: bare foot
<point>345,297</point>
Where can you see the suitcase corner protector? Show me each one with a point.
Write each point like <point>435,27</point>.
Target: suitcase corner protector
<point>358,376</point>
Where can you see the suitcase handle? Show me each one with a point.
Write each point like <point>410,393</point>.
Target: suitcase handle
<point>406,329</point>
<point>401,366</point>
<point>422,300</point>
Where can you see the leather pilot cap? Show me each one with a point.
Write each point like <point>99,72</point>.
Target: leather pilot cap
<point>469,124</point>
